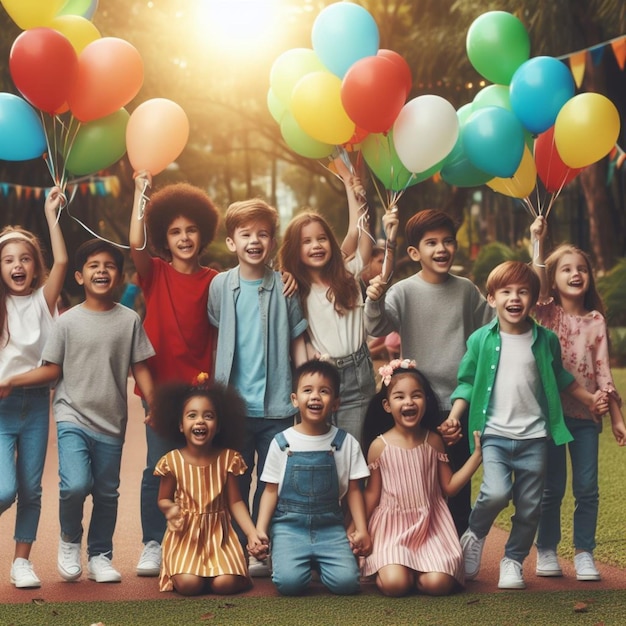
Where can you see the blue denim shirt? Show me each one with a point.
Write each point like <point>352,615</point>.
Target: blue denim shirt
<point>478,368</point>
<point>282,321</point>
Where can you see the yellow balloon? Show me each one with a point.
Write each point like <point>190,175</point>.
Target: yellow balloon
<point>521,184</point>
<point>316,106</point>
<point>79,31</point>
<point>586,129</point>
<point>32,13</point>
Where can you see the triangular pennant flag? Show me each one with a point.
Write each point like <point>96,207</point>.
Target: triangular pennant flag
<point>619,50</point>
<point>597,52</point>
<point>577,65</point>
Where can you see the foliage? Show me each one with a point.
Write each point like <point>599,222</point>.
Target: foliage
<point>612,288</point>
<point>489,256</point>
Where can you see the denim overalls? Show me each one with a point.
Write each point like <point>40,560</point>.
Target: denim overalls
<point>308,524</point>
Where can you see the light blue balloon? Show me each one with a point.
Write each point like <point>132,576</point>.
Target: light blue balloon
<point>343,33</point>
<point>539,89</point>
<point>22,136</point>
<point>493,140</point>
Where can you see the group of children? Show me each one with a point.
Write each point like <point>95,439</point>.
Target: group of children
<point>213,362</point>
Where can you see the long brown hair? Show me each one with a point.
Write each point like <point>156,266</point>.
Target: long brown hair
<point>593,301</point>
<point>343,290</point>
<point>41,270</point>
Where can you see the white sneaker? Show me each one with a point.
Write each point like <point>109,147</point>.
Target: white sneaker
<point>585,567</point>
<point>150,560</point>
<point>23,575</point>
<point>472,553</point>
<point>548,563</point>
<point>68,561</point>
<point>259,568</point>
<point>101,570</point>
<point>511,575</point>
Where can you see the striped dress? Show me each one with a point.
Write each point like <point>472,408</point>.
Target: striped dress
<point>206,545</point>
<point>412,525</point>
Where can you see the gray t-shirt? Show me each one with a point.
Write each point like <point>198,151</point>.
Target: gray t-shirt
<point>95,350</point>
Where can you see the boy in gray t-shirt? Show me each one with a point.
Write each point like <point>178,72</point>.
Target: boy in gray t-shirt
<point>89,352</point>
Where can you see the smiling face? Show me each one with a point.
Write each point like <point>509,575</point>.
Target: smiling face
<point>512,304</point>
<point>17,266</point>
<point>253,243</point>
<point>199,422</point>
<point>183,240</point>
<point>571,278</point>
<point>316,400</point>
<point>99,276</point>
<point>406,401</point>
<point>315,248</point>
<point>435,252</point>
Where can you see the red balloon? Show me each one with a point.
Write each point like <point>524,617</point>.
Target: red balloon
<point>399,61</point>
<point>110,75</point>
<point>43,65</point>
<point>553,173</point>
<point>373,92</point>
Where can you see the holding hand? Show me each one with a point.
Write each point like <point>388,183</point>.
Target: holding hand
<point>450,431</point>
<point>175,519</point>
<point>55,200</point>
<point>599,403</point>
<point>376,288</point>
<point>539,229</point>
<point>360,543</point>
<point>258,545</point>
<point>390,224</point>
<point>5,388</point>
<point>143,180</point>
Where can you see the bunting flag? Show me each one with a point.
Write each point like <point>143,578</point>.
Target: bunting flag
<point>578,60</point>
<point>92,185</point>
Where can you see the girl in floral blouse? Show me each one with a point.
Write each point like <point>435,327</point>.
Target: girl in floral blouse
<point>570,305</point>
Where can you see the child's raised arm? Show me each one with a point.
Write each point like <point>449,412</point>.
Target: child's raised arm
<point>538,232</point>
<point>54,284</point>
<point>137,232</point>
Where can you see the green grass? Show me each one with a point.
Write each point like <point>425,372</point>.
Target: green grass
<point>581,607</point>
<point>611,539</point>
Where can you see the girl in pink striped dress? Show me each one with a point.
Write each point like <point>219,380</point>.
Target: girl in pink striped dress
<point>199,492</point>
<point>415,543</point>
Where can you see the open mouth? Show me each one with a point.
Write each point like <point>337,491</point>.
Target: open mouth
<point>198,431</point>
<point>101,280</point>
<point>18,278</point>
<point>315,406</point>
<point>515,309</point>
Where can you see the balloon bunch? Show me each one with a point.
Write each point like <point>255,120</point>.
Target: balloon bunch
<point>529,122</point>
<point>75,85</point>
<point>346,94</point>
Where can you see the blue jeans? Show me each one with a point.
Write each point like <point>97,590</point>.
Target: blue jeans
<point>583,452</point>
<point>24,425</point>
<point>511,469</point>
<point>152,519</point>
<point>89,464</point>
<point>357,388</point>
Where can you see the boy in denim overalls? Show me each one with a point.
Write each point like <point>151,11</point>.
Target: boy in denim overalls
<point>309,469</point>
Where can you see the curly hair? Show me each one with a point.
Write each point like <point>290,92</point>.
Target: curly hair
<point>169,404</point>
<point>377,421</point>
<point>179,200</point>
<point>343,289</point>
<point>41,270</point>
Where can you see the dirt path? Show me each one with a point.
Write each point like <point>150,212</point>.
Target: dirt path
<point>127,544</point>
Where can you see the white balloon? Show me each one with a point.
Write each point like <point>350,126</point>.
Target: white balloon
<point>425,132</point>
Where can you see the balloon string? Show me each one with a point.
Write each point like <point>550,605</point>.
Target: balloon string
<point>91,232</point>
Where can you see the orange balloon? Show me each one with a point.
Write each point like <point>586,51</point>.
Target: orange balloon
<point>110,75</point>
<point>156,134</point>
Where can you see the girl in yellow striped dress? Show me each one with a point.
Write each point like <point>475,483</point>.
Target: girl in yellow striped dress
<point>199,491</point>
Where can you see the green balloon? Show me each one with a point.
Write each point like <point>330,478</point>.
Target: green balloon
<point>381,157</point>
<point>300,142</point>
<point>497,44</point>
<point>492,96</point>
<point>98,144</point>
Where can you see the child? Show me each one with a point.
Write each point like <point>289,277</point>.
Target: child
<point>510,377</point>
<point>89,351</point>
<point>570,305</point>
<point>310,468</point>
<point>27,311</point>
<point>435,312</point>
<point>260,333</point>
<point>180,221</point>
<point>415,544</point>
<point>199,491</point>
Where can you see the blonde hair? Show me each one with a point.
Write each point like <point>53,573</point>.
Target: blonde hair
<point>247,211</point>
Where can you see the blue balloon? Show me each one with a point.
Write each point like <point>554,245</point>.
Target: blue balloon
<point>342,34</point>
<point>493,140</point>
<point>22,136</point>
<point>539,89</point>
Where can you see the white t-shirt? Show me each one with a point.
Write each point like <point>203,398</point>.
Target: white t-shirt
<point>29,322</point>
<point>330,333</point>
<point>514,409</point>
<point>351,464</point>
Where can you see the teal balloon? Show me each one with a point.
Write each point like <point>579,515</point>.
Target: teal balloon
<point>22,135</point>
<point>492,95</point>
<point>493,140</point>
<point>82,8</point>
<point>98,144</point>
<point>300,142</point>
